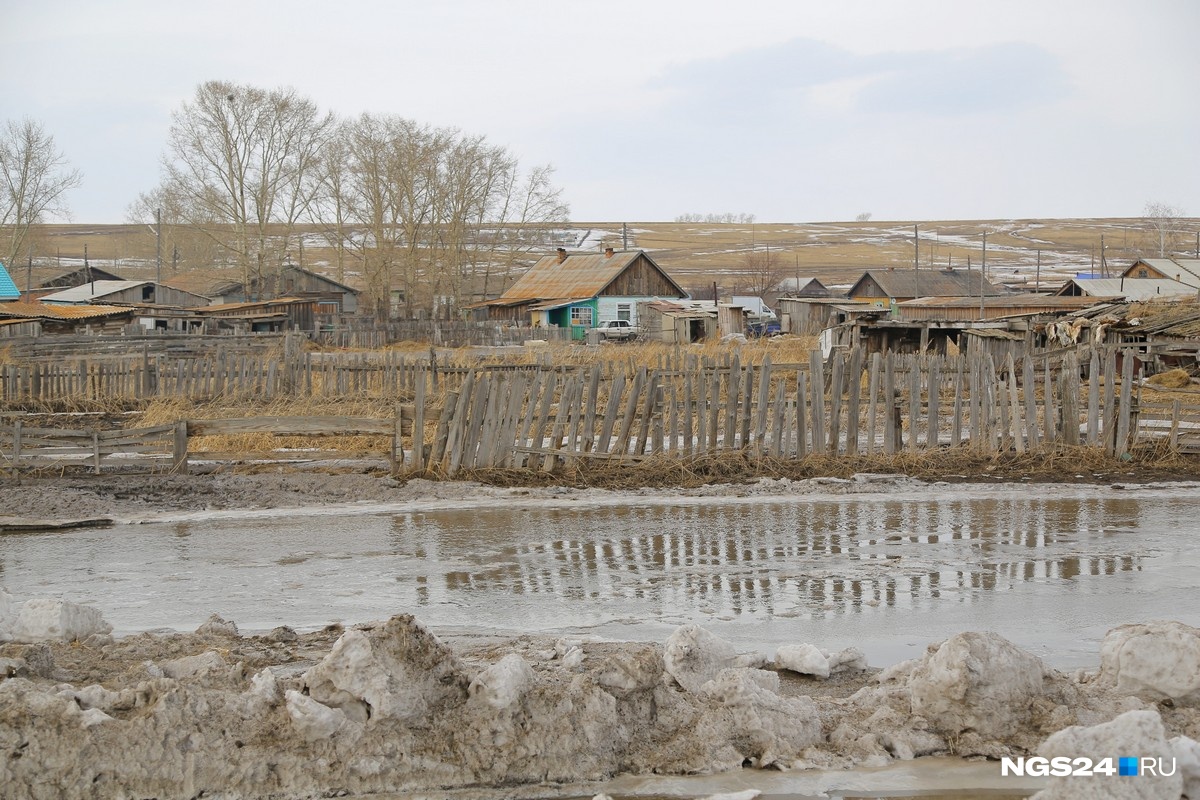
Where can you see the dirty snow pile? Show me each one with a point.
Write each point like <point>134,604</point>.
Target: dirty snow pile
<point>389,707</point>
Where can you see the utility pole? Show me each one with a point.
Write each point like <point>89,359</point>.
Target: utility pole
<point>1103,261</point>
<point>158,245</point>
<point>624,236</point>
<point>916,263</point>
<point>982,272</point>
<point>29,270</point>
<point>1037,281</point>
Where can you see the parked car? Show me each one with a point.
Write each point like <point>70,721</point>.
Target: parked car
<point>764,327</point>
<point>618,330</point>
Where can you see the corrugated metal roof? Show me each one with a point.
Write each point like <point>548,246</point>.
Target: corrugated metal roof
<point>1130,288</point>
<point>261,304</point>
<point>1032,301</point>
<point>44,311</point>
<point>90,291</point>
<point>1187,269</point>
<point>8,289</point>
<point>929,283</point>
<point>209,284</point>
<point>582,276</point>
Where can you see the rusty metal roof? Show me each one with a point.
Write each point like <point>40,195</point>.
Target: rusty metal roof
<point>27,310</point>
<point>581,276</point>
<point>259,305</point>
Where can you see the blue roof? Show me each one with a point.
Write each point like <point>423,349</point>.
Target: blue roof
<point>8,289</point>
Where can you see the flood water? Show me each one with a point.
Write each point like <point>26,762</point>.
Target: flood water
<point>1051,568</point>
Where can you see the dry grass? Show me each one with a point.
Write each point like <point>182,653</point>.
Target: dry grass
<point>1058,465</point>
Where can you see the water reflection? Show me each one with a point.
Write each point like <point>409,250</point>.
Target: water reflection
<point>798,559</point>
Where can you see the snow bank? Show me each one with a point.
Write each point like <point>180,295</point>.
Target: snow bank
<point>389,708</point>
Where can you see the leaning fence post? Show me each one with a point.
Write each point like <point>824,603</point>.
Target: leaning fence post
<point>179,455</point>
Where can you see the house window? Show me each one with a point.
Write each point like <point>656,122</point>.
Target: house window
<point>625,311</point>
<point>1143,273</point>
<point>148,293</point>
<point>581,316</point>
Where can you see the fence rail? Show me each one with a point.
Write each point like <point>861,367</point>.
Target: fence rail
<point>543,416</point>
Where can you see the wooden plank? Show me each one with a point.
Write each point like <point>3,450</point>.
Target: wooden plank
<point>631,404</point>
<point>835,403</point>
<point>778,420</point>
<point>853,401</point>
<point>299,426</point>
<point>1014,401</point>
<point>714,409</point>
<point>589,417</point>
<point>689,411</point>
<point>1070,400</point>
<point>733,396</point>
<point>891,411</point>
<point>872,403</point>
<point>556,430</point>
<point>759,434</point>
<point>1173,436</point>
<point>616,388</point>
<point>648,411</point>
<point>933,395</point>
<point>1125,407</point>
<point>481,443</point>
<point>418,434</point>
<point>1049,415</point>
<point>914,403</point>
<point>1028,389</point>
<point>817,375</point>
<point>441,433</point>
<point>801,415</point>
<point>1093,408</point>
<point>456,440</point>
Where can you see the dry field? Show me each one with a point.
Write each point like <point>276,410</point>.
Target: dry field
<point>698,254</point>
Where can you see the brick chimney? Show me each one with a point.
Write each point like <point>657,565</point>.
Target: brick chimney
<point>562,254</point>
<point>608,252</point>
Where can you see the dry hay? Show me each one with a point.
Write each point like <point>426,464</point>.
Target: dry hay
<point>1174,379</point>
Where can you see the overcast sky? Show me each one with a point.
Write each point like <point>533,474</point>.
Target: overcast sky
<point>792,111</point>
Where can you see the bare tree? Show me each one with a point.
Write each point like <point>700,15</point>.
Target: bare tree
<point>241,163</point>
<point>427,212</point>
<point>1166,224</point>
<point>863,217</point>
<point>527,207</point>
<point>36,178</point>
<point>762,272</point>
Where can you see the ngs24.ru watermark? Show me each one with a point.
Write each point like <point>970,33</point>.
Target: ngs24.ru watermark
<point>1081,766</point>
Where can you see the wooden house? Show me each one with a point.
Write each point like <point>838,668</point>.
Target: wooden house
<point>1183,270</point>
<point>226,286</point>
<point>677,323</point>
<point>139,293</point>
<point>581,291</point>
<point>1131,289</point>
<point>886,286</point>
<point>267,316</point>
<point>813,288</point>
<point>65,318</point>
<point>40,281</point>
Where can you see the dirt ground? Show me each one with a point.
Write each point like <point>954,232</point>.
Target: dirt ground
<point>133,496</point>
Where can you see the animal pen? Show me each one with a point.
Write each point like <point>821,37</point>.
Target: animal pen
<point>449,421</point>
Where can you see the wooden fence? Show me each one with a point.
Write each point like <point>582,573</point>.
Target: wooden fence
<point>166,448</point>
<point>542,416</point>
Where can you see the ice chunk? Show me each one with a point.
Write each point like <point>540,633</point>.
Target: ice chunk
<point>1153,661</point>
<point>45,619</point>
